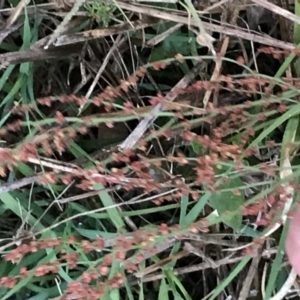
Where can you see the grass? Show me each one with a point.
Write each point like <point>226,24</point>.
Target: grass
<point>120,226</point>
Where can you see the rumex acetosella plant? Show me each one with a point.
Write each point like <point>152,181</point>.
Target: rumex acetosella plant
<point>128,209</point>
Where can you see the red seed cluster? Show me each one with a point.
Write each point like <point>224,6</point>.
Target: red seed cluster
<point>218,121</point>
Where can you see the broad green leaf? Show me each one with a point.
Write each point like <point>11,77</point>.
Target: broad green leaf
<point>113,212</point>
<point>229,201</point>
<point>196,147</point>
<point>163,290</point>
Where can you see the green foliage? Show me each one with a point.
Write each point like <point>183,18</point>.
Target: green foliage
<point>101,12</point>
<point>197,148</point>
<point>117,198</point>
<point>229,199</point>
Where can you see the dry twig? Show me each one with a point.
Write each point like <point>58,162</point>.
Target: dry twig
<point>139,131</point>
